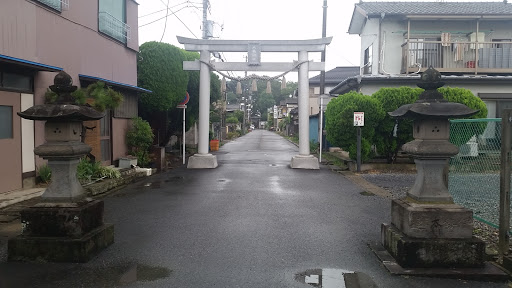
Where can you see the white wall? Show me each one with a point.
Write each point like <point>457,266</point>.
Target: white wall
<point>27,136</point>
<point>392,39</point>
<point>370,36</point>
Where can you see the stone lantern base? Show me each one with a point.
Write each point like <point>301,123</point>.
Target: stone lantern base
<point>432,235</point>
<point>427,253</point>
<point>61,232</point>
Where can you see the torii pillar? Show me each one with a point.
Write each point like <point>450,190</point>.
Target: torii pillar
<point>203,159</point>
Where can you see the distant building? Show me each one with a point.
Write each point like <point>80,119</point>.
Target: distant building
<point>332,78</point>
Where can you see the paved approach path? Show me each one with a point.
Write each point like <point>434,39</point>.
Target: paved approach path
<point>251,222</point>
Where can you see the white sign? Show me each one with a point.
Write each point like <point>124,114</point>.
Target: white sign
<point>275,112</point>
<point>358,118</point>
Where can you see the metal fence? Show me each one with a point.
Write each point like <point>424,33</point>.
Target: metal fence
<point>474,177</point>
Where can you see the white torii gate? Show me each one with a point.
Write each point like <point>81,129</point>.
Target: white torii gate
<point>254,48</point>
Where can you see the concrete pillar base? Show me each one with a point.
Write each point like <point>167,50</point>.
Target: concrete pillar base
<point>304,162</point>
<point>202,161</point>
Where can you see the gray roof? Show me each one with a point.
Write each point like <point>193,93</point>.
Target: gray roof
<point>378,9</point>
<point>436,8</point>
<point>336,75</point>
<point>352,83</point>
<point>286,101</point>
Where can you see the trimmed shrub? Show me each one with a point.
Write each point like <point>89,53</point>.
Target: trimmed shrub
<point>386,143</point>
<point>391,98</point>
<point>139,138</point>
<point>340,121</point>
<point>466,97</point>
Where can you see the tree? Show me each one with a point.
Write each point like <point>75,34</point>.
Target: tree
<point>160,69</point>
<point>264,102</point>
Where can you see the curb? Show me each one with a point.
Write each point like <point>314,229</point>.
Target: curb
<point>20,196</point>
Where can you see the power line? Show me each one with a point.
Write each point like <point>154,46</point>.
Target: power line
<point>165,26</point>
<point>162,17</point>
<point>163,9</point>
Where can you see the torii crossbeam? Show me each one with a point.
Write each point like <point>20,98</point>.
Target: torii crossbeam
<point>254,48</point>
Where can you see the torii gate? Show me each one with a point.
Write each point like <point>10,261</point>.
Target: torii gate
<point>254,48</point>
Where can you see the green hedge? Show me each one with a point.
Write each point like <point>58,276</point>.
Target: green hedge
<point>340,122</point>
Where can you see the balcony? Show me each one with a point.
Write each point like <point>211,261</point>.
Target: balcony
<point>457,57</point>
<point>113,27</point>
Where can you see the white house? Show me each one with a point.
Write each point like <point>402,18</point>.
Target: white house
<point>470,43</point>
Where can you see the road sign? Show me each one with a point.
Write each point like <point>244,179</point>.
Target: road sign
<point>183,104</point>
<point>359,119</point>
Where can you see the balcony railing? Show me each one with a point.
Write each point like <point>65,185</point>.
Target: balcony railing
<point>457,57</point>
<point>113,27</point>
<point>55,4</point>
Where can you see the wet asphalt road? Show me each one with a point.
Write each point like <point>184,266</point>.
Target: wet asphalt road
<point>251,222</point>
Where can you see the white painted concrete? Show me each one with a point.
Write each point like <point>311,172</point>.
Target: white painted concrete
<point>27,136</point>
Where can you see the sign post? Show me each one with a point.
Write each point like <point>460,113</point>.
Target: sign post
<point>358,122</point>
<point>321,134</point>
<point>183,105</point>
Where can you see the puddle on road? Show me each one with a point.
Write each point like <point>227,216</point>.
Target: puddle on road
<point>175,179</point>
<point>366,193</point>
<point>108,276</point>
<point>335,278</point>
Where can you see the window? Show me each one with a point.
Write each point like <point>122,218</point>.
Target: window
<point>55,4</point>
<point>507,44</point>
<point>6,122</point>
<point>112,19</point>
<point>16,82</point>
<point>368,60</point>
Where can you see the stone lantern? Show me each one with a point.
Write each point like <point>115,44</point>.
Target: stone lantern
<point>427,229</point>
<point>65,226</point>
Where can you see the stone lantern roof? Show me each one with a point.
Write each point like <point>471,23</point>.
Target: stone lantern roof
<point>431,103</point>
<point>64,109</point>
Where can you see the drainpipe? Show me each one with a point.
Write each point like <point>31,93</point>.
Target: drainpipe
<point>407,46</point>
<point>379,69</point>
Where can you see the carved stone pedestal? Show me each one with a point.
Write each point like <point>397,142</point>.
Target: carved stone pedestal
<point>62,232</point>
<point>427,252</point>
<point>432,235</point>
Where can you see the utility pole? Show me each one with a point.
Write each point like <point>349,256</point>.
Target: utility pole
<point>205,20</point>
<point>322,83</point>
<point>324,33</point>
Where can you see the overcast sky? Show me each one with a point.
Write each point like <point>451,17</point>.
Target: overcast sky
<point>257,20</point>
